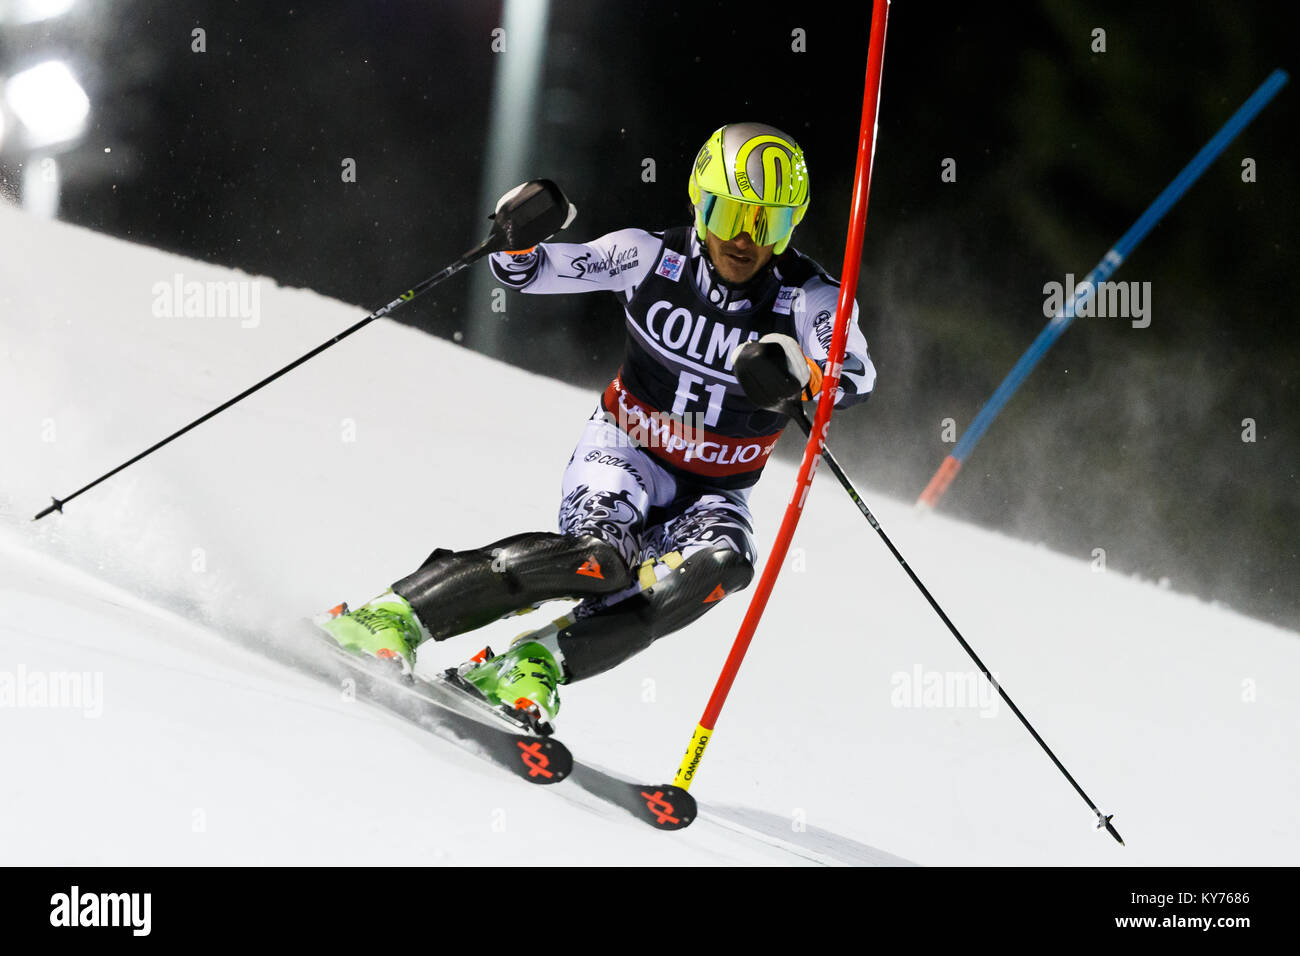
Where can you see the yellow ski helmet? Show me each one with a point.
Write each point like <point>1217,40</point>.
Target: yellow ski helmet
<point>751,178</point>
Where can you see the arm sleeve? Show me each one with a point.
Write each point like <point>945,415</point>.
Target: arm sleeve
<point>616,262</point>
<point>815,322</point>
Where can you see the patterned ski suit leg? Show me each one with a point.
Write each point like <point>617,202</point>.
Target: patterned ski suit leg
<point>611,488</point>
<point>716,518</point>
<point>608,489</point>
<point>699,549</point>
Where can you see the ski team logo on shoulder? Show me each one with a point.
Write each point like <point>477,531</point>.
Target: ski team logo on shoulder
<point>670,266</point>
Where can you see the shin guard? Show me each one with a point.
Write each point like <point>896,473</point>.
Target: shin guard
<point>458,591</point>
<point>613,634</point>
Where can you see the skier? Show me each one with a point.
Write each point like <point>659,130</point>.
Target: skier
<point>725,324</point>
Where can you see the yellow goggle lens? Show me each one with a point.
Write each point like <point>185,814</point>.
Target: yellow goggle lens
<point>727,218</point>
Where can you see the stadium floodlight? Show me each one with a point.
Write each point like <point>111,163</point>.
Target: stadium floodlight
<point>49,103</point>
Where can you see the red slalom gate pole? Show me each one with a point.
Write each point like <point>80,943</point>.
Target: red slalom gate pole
<point>812,453</point>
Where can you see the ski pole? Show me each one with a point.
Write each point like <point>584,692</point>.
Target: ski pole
<point>1111,261</point>
<point>866,152</point>
<point>526,216</point>
<point>797,413</point>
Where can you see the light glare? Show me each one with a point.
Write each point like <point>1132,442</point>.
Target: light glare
<point>49,102</point>
<point>33,11</point>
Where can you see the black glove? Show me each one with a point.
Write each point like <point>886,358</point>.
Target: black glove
<point>773,370</point>
<point>530,213</point>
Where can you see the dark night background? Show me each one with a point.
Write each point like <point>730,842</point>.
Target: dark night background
<point>1123,439</point>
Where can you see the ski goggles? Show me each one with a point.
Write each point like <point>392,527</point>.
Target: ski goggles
<point>727,218</point>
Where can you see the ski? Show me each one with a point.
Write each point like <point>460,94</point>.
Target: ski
<point>663,806</point>
<point>439,706</point>
<point>540,760</point>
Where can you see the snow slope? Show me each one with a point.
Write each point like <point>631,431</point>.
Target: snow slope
<point>176,585</point>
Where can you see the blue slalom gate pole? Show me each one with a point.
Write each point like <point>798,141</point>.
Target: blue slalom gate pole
<point>1082,292</point>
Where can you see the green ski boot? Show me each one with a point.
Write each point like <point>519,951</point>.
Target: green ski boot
<point>385,628</point>
<point>524,681</point>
